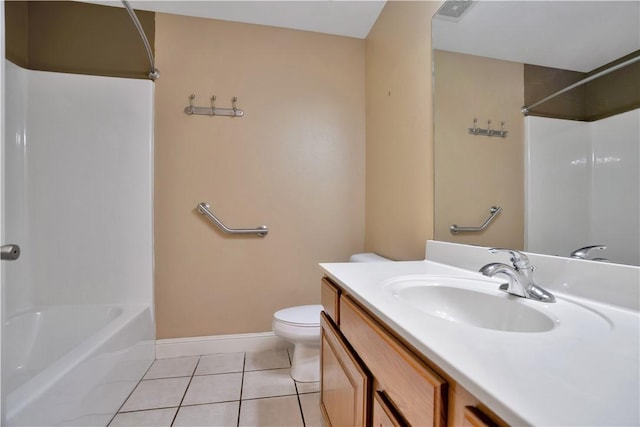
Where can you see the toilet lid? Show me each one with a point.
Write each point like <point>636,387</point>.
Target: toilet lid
<point>302,315</point>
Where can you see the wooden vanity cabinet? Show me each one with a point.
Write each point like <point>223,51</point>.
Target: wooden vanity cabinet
<point>371,378</point>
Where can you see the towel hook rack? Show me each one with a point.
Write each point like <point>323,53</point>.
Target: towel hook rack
<point>495,210</point>
<point>203,208</point>
<point>234,111</point>
<point>475,130</point>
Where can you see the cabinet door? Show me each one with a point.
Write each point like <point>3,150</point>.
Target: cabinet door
<point>467,411</point>
<point>383,416</point>
<point>412,387</point>
<point>473,417</point>
<point>344,383</point>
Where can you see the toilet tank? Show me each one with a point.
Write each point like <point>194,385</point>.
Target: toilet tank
<point>367,257</point>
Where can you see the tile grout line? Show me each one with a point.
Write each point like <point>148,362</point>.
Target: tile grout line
<point>270,396</point>
<point>148,409</point>
<point>299,404</point>
<point>244,363</point>
<point>185,392</point>
<point>295,384</point>
<point>266,369</point>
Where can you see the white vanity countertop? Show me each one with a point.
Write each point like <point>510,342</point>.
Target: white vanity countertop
<point>569,376</point>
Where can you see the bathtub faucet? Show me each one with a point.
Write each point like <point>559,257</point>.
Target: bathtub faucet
<point>520,276</point>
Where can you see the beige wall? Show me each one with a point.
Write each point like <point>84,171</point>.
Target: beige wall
<point>399,203</point>
<point>474,173</point>
<point>295,162</point>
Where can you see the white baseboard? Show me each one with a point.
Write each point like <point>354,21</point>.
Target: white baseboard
<point>195,346</point>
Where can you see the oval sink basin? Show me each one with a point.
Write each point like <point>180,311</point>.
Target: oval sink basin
<point>472,302</point>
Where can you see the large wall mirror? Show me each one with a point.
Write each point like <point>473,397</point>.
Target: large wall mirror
<point>566,174</point>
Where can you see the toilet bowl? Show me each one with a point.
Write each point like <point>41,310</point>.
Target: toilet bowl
<point>300,326</point>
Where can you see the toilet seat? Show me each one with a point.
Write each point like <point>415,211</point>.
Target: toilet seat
<point>303,316</point>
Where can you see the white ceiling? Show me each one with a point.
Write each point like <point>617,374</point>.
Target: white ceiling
<point>572,35</point>
<point>339,17</point>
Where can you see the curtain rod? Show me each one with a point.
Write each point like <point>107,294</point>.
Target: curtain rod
<point>525,110</point>
<point>154,74</point>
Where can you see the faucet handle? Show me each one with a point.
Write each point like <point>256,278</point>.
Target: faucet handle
<point>518,259</point>
<point>583,253</point>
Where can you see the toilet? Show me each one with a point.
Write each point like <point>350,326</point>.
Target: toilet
<point>300,326</point>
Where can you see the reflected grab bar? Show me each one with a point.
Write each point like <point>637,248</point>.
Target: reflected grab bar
<point>203,208</point>
<point>495,210</point>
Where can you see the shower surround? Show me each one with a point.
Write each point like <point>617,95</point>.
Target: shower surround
<point>78,326</point>
<point>583,186</point>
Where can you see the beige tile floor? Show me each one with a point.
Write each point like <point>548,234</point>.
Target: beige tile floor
<point>229,389</point>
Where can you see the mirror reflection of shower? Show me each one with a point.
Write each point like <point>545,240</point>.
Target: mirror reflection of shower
<point>583,186</point>
<point>588,171</point>
<point>578,186</point>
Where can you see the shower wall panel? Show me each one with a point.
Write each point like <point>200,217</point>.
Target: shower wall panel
<point>557,171</point>
<point>583,186</point>
<point>20,293</point>
<point>79,189</point>
<point>615,204</point>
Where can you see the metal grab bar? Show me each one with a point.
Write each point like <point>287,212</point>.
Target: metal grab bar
<point>495,210</point>
<point>203,208</point>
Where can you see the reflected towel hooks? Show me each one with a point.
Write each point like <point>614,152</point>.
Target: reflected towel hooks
<point>234,111</point>
<point>475,130</point>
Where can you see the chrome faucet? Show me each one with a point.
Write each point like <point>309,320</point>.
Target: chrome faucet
<point>520,276</point>
<point>583,253</point>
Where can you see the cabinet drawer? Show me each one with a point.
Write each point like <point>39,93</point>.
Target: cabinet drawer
<point>412,387</point>
<point>329,297</point>
<point>345,384</point>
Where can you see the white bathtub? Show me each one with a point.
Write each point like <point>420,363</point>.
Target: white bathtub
<point>74,365</point>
